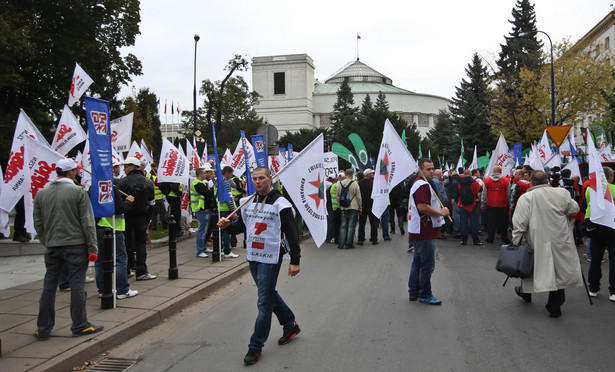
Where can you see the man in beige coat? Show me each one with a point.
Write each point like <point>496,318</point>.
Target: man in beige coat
<point>543,216</point>
<point>350,214</point>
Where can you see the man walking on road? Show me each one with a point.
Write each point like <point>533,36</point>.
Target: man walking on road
<point>350,213</point>
<point>267,220</point>
<point>495,203</point>
<point>366,184</point>
<point>543,216</point>
<point>64,221</point>
<point>424,221</point>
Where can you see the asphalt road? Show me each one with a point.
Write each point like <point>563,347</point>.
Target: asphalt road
<point>353,308</point>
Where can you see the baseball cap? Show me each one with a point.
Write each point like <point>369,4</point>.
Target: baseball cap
<point>65,165</point>
<point>132,161</point>
<point>207,167</point>
<point>368,171</point>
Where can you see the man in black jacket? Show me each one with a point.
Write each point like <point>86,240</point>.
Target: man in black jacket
<point>267,220</point>
<point>366,184</point>
<point>173,193</point>
<point>137,217</point>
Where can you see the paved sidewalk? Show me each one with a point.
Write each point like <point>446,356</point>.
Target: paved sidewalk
<point>157,300</point>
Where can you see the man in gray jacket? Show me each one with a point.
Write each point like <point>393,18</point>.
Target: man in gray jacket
<point>64,221</point>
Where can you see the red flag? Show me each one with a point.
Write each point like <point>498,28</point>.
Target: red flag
<point>165,108</point>
<point>358,37</point>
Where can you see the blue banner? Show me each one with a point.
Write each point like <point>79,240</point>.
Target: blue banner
<point>260,152</point>
<point>573,152</point>
<point>249,183</point>
<point>290,152</point>
<point>99,134</point>
<point>223,196</point>
<point>518,151</point>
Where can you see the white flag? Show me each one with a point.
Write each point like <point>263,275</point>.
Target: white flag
<point>40,170</point>
<point>186,212</point>
<point>544,150</point>
<point>147,156</point>
<point>15,176</point>
<point>303,179</point>
<point>605,153</point>
<point>474,164</point>
<point>600,198</point>
<point>68,134</point>
<point>238,161</point>
<point>536,160</point>
<point>460,164</point>
<point>86,164</point>
<point>5,227</point>
<point>204,155</point>
<point>227,158</point>
<point>136,152</point>
<point>394,164</point>
<point>500,157</point>
<point>173,165</point>
<point>81,82</point>
<point>574,168</point>
<point>121,132</point>
<point>331,165</point>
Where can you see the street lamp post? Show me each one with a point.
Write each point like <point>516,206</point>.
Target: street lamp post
<point>552,75</point>
<point>196,40</point>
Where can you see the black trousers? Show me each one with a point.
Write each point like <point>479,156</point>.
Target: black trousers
<point>497,217</point>
<point>373,224</point>
<point>136,237</point>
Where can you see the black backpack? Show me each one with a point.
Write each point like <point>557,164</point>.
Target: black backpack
<point>465,194</point>
<point>572,191</point>
<point>344,200</point>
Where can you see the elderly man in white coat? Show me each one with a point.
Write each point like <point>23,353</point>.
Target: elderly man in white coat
<point>543,216</point>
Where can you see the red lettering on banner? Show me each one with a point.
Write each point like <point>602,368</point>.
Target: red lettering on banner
<point>542,153</point>
<point>275,164</point>
<point>40,176</point>
<point>105,189</point>
<point>237,158</point>
<point>62,131</point>
<point>260,227</point>
<point>502,159</point>
<point>138,155</point>
<point>15,164</point>
<point>100,122</point>
<point>170,164</point>
<point>114,136</point>
<point>72,87</point>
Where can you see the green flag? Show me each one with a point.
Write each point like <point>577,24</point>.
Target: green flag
<point>420,151</point>
<point>403,138</point>
<point>359,148</point>
<point>341,151</point>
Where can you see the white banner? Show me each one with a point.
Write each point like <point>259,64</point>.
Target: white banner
<point>605,154</point>
<point>185,201</point>
<point>226,159</point>
<point>173,165</point>
<point>303,179</point>
<point>5,228</point>
<point>394,164</point>
<point>238,161</point>
<point>574,168</point>
<point>501,157</point>
<point>331,165</point>
<point>40,170</point>
<point>474,164</point>
<point>136,151</point>
<point>68,133</point>
<point>15,175</point>
<point>86,164</point>
<point>81,82</point>
<point>600,198</point>
<point>121,132</point>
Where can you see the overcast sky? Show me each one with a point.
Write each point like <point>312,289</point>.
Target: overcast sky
<point>423,46</point>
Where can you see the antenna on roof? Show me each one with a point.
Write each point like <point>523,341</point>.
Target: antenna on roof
<point>612,7</point>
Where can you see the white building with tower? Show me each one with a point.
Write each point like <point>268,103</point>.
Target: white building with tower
<point>292,99</point>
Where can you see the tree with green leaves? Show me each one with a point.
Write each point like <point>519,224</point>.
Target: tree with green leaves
<point>470,110</point>
<point>381,102</point>
<point>146,122</point>
<point>302,138</point>
<point>367,106</point>
<point>41,42</point>
<point>513,111</point>
<point>443,138</point>
<point>344,112</point>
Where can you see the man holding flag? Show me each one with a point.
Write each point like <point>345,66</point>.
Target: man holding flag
<point>64,221</point>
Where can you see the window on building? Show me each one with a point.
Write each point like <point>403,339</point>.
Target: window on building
<point>607,43</point>
<point>279,83</point>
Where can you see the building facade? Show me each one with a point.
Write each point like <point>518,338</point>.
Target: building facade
<point>292,99</point>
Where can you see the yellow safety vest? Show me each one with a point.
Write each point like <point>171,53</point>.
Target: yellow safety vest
<point>197,201</point>
<point>333,192</point>
<point>223,206</point>
<point>174,194</point>
<point>158,195</point>
<point>120,223</point>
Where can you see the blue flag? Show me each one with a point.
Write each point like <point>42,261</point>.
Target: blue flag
<point>260,153</point>
<point>518,150</point>
<point>99,134</point>
<point>290,152</point>
<point>573,151</point>
<point>249,183</point>
<point>223,193</point>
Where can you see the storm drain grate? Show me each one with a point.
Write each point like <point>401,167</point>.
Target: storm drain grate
<point>114,365</point>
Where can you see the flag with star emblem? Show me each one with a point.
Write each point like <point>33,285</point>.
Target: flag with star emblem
<point>394,164</point>
<point>600,198</point>
<point>303,179</point>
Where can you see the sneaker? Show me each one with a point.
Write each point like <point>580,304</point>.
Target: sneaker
<point>89,280</point>
<point>65,289</point>
<point>527,297</point>
<point>594,294</point>
<point>209,250</point>
<point>612,297</point>
<point>288,336</point>
<point>192,230</point>
<point>252,356</point>
<point>431,300</point>
<point>202,255</point>
<point>128,294</point>
<point>41,337</point>
<point>146,276</point>
<point>478,242</point>
<point>360,242</point>
<point>88,330</point>
<point>413,297</point>
<point>375,242</point>
<point>130,274</point>
<point>463,243</point>
<point>230,255</point>
<point>410,249</point>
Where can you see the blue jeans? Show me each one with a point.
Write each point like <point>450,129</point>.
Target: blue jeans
<point>348,223</point>
<point>121,261</point>
<point>384,223</point>
<point>226,237</point>
<point>75,258</point>
<point>422,268</point>
<point>269,301</point>
<point>471,218</point>
<point>203,216</point>
<point>455,219</point>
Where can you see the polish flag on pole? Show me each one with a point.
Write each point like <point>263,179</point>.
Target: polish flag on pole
<point>394,164</point>
<point>600,199</point>
<point>68,134</point>
<point>81,82</point>
<point>304,180</point>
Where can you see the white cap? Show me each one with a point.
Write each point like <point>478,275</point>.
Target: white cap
<point>207,167</point>
<point>132,161</point>
<point>65,165</point>
<point>368,171</point>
